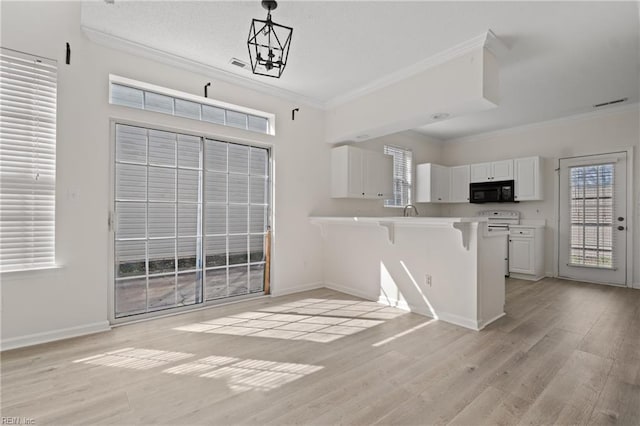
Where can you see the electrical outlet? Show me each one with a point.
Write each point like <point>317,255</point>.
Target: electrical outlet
<point>427,279</point>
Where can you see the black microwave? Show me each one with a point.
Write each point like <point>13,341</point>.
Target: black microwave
<point>492,192</point>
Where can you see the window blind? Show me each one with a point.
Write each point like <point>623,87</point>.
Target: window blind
<point>27,161</point>
<point>592,203</point>
<point>402,176</point>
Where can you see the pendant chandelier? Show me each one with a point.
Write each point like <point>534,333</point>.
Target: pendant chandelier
<point>268,44</point>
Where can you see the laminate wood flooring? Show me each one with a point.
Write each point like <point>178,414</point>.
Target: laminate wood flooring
<point>565,353</point>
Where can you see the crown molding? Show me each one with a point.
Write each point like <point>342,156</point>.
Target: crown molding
<point>487,39</point>
<point>541,124</point>
<point>137,49</point>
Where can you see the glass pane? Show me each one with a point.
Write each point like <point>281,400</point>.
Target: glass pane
<point>131,296</point>
<point>258,124</point>
<point>216,251</point>
<point>189,151</point>
<point>256,248</point>
<point>189,185</point>
<point>216,187</point>
<point>238,158</point>
<point>162,292</point>
<point>259,161</point>
<point>132,220</point>
<point>212,114</point>
<point>188,288</point>
<point>216,219</point>
<point>216,158</point>
<point>258,219</point>
<point>238,280</point>
<point>238,188</point>
<point>591,210</point>
<point>189,220</point>
<point>258,190</point>
<point>216,284</point>
<point>158,103</point>
<point>162,256</point>
<point>256,278</point>
<point>127,96</point>
<point>131,182</point>
<point>187,109</point>
<point>238,249</point>
<point>236,119</point>
<point>162,220</point>
<point>238,219</point>
<point>131,144</point>
<point>131,258</point>
<point>162,184</point>
<point>189,254</point>
<point>162,148</point>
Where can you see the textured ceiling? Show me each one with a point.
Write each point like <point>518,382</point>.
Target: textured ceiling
<point>563,56</point>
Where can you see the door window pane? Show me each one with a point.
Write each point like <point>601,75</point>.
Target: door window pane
<point>591,210</point>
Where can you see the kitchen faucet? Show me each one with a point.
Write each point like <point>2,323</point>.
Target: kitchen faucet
<point>406,212</point>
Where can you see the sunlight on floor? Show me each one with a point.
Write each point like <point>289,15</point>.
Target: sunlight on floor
<point>240,375</point>
<point>316,320</point>
<point>136,359</point>
<point>248,374</point>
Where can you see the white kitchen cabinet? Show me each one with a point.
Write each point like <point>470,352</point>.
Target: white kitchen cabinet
<point>528,178</point>
<point>432,183</point>
<point>459,184</point>
<point>493,171</point>
<point>526,252</point>
<point>378,175</point>
<point>359,173</point>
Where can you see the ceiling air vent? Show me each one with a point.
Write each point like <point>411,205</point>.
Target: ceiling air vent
<point>617,101</point>
<point>238,63</point>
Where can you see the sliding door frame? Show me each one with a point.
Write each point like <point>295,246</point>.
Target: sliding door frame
<point>113,121</point>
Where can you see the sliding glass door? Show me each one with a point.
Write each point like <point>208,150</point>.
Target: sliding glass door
<point>190,220</point>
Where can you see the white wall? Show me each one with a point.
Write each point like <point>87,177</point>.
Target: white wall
<point>37,306</point>
<point>608,131</point>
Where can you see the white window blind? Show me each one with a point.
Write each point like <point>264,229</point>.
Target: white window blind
<point>27,161</point>
<point>402,176</point>
<point>592,201</point>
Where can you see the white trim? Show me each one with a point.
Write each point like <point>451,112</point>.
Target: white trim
<point>275,292</point>
<point>177,61</point>
<point>541,124</point>
<point>487,39</point>
<point>636,285</point>
<point>483,324</point>
<point>54,335</point>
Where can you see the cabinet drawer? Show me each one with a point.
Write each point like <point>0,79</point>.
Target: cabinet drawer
<point>521,232</point>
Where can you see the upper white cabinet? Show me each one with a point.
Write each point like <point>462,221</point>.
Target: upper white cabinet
<point>459,184</point>
<point>494,171</point>
<point>432,183</point>
<point>360,173</point>
<point>528,178</point>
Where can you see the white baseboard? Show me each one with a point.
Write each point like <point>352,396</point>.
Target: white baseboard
<point>483,324</point>
<point>297,289</point>
<point>636,285</point>
<point>50,336</point>
<point>348,290</point>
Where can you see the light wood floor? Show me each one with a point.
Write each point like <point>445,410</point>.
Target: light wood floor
<point>566,353</point>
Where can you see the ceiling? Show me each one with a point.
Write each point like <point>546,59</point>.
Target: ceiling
<point>563,57</point>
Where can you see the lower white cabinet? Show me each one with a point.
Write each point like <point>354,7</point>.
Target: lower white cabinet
<point>526,252</point>
<point>361,173</point>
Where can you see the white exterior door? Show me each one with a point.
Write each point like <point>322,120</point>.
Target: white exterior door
<point>593,218</point>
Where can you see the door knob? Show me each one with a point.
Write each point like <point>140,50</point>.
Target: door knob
<point>620,219</point>
<point>620,228</point>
